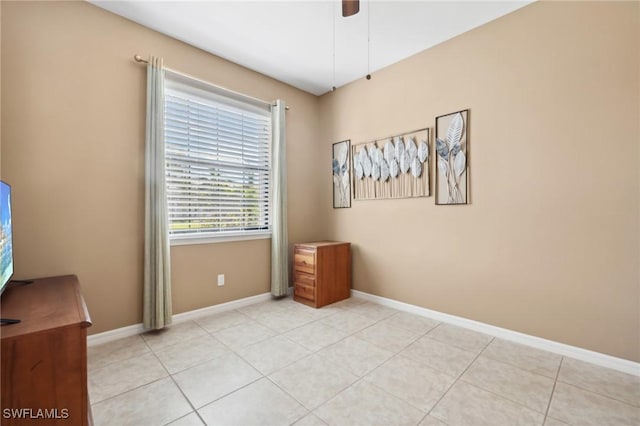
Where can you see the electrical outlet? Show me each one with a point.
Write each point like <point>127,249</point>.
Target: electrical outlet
<point>220,280</point>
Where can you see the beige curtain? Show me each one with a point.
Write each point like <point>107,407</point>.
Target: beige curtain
<point>279,240</point>
<point>157,272</point>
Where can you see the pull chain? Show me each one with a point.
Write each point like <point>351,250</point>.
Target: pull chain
<point>369,40</point>
<point>333,17</point>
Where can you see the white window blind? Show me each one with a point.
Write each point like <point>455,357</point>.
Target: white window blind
<point>217,164</point>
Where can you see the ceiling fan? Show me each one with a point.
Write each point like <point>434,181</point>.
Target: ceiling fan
<point>350,7</point>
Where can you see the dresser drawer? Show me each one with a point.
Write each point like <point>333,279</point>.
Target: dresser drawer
<point>304,261</point>
<point>304,291</point>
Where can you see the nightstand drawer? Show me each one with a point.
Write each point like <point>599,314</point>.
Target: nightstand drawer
<point>304,261</point>
<point>304,291</point>
<point>305,279</point>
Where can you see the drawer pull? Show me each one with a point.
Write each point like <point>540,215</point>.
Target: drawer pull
<point>304,262</point>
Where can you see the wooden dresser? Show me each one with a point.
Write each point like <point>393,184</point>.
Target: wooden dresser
<point>322,272</point>
<point>44,357</point>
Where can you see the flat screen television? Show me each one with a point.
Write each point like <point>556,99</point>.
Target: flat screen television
<point>6,236</point>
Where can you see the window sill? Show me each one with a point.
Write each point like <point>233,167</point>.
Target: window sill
<point>184,240</point>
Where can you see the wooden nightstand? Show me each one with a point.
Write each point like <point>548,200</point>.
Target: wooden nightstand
<point>322,272</point>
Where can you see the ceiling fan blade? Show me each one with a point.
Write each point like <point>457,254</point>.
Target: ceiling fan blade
<point>350,7</point>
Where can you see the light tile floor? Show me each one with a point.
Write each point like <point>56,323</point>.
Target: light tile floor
<point>350,363</point>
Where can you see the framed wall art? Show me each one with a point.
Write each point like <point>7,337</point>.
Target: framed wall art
<point>452,156</point>
<point>341,174</point>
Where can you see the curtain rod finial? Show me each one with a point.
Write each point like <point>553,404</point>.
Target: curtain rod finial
<point>138,58</point>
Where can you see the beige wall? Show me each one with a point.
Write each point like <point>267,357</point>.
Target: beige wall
<point>73,141</point>
<point>549,244</point>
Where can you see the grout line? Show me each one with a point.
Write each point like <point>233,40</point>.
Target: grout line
<point>317,352</point>
<point>497,394</point>
<point>221,396</point>
<point>182,417</point>
<point>392,394</point>
<point>145,341</point>
<point>453,345</point>
<point>555,382</point>
<point>188,402</point>
<point>513,401</point>
<point>94,369</point>
<point>362,378</point>
<point>227,394</point>
<point>127,391</point>
<point>513,364</point>
<point>198,364</point>
<point>458,378</point>
<point>262,375</point>
<point>179,389</point>
<point>347,335</point>
<point>608,396</point>
<point>290,395</point>
<point>248,319</point>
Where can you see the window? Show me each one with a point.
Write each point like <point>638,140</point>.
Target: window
<point>217,151</point>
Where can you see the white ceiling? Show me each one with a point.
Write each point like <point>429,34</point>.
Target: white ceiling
<point>292,41</point>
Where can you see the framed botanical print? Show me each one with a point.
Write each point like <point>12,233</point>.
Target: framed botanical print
<point>341,174</point>
<point>452,157</point>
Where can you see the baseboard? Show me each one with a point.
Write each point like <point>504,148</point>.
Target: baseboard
<point>222,307</point>
<point>132,330</point>
<point>597,358</point>
<point>118,333</point>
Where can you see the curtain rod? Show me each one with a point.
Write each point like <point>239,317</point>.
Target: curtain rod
<point>139,58</point>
